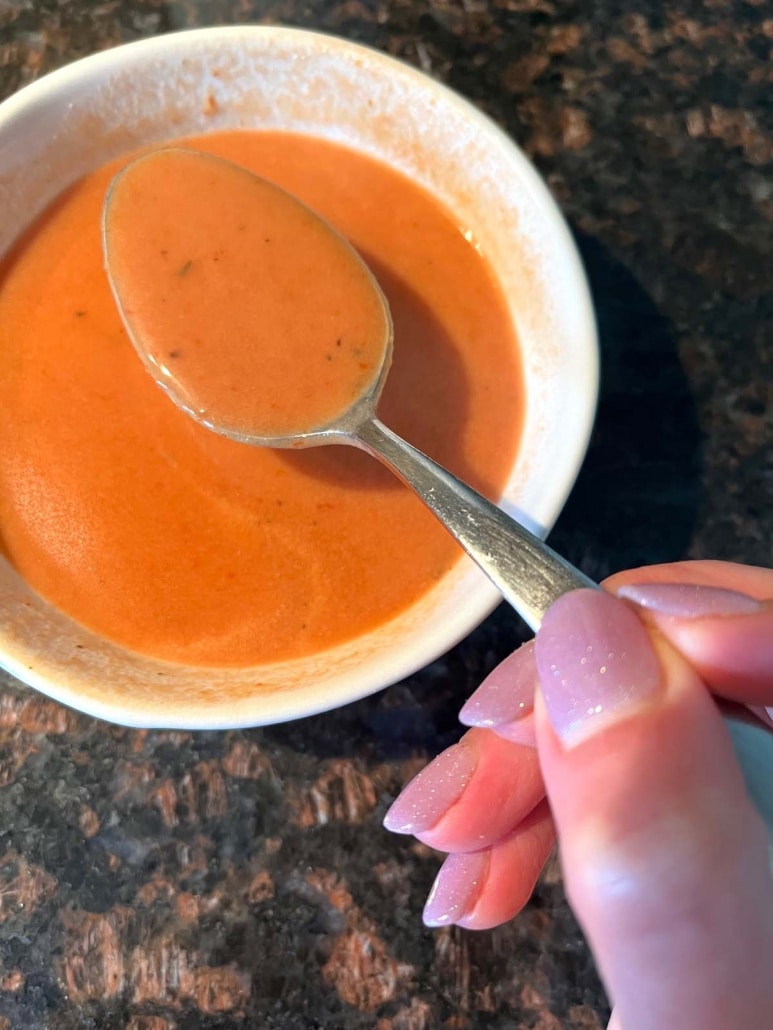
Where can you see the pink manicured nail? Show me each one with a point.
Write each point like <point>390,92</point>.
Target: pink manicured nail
<point>430,794</point>
<point>688,600</point>
<point>595,663</point>
<point>520,731</point>
<point>506,694</point>
<point>456,888</point>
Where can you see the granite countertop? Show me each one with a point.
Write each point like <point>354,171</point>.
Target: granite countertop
<point>215,881</point>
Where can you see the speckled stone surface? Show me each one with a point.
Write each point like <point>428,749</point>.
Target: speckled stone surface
<point>221,881</point>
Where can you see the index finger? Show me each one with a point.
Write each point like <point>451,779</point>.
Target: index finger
<point>718,615</point>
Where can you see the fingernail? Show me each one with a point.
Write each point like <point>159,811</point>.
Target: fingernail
<point>431,793</point>
<point>595,663</point>
<point>521,731</point>
<point>765,715</point>
<point>456,888</point>
<point>506,694</point>
<point>688,600</point>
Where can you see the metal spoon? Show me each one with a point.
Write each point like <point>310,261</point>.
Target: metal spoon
<point>528,573</point>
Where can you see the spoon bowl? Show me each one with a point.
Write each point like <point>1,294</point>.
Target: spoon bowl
<point>258,363</point>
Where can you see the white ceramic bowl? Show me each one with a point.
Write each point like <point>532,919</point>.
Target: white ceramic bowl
<point>257,77</point>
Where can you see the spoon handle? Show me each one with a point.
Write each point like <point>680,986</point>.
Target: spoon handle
<point>528,573</point>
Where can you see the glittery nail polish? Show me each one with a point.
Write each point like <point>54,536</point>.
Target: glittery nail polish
<point>688,600</point>
<point>595,663</point>
<point>456,888</point>
<point>433,791</point>
<point>506,694</point>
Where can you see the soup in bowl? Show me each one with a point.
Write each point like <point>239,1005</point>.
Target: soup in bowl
<point>157,575</point>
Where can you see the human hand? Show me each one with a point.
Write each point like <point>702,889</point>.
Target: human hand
<point>665,861</point>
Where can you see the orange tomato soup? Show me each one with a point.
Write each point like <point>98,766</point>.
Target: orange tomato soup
<point>176,542</point>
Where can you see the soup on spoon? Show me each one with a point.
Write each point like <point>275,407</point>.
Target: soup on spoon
<point>264,319</point>
<point>253,312</point>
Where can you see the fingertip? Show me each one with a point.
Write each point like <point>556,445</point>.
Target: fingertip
<point>433,791</point>
<point>456,888</point>
<point>596,664</point>
<point>505,786</point>
<point>513,870</point>
<point>506,694</point>
<point>689,600</point>
<point>718,615</point>
<point>483,889</point>
<point>471,795</point>
<point>732,654</point>
<point>521,731</point>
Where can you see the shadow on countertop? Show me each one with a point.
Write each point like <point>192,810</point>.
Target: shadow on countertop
<point>638,494</point>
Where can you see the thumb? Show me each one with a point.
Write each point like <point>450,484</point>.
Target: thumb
<point>665,861</point>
